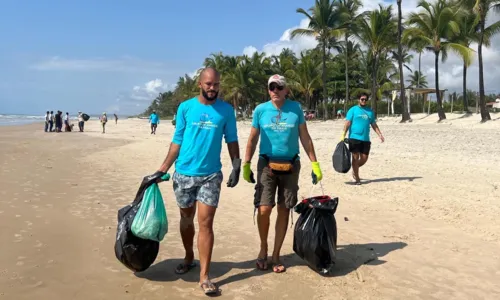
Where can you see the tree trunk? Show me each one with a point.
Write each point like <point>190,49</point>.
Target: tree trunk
<point>325,96</point>
<point>404,108</point>
<point>464,97</point>
<point>346,73</point>
<point>441,114</point>
<point>374,85</point>
<point>485,115</point>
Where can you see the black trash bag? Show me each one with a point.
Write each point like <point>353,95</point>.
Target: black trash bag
<point>85,117</point>
<point>341,158</point>
<point>315,233</point>
<point>135,253</point>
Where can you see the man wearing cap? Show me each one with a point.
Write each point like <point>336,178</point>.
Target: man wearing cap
<point>279,123</point>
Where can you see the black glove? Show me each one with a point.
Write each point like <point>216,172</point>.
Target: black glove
<point>157,177</point>
<point>235,174</point>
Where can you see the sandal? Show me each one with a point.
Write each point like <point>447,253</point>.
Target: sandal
<point>209,288</point>
<point>278,268</point>
<point>261,264</point>
<point>184,268</point>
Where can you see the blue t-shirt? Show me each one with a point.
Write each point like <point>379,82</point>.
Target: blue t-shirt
<point>361,118</point>
<point>154,118</point>
<point>279,129</point>
<point>199,130</point>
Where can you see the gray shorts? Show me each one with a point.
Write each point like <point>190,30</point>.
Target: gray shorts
<point>189,189</point>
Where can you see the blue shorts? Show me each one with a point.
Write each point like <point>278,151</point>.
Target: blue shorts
<point>189,189</point>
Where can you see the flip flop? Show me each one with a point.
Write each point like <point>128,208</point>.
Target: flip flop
<point>209,288</point>
<point>261,264</point>
<point>278,268</point>
<point>184,268</point>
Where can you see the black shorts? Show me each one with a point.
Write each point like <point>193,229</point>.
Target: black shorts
<point>357,146</point>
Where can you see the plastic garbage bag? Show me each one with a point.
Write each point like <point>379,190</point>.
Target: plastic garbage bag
<point>341,158</point>
<point>135,253</point>
<point>315,233</point>
<point>151,222</point>
<point>85,117</point>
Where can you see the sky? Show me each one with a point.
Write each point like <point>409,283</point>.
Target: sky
<point>116,56</point>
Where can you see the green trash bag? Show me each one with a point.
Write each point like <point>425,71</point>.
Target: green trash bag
<point>151,222</point>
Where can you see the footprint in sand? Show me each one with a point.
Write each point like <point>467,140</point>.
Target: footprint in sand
<point>18,237</point>
<point>38,244</point>
<point>111,269</point>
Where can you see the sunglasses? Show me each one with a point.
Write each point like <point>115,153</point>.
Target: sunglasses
<point>273,86</point>
<point>362,99</point>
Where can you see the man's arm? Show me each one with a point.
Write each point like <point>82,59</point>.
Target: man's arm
<point>377,130</point>
<point>347,125</point>
<point>251,144</point>
<point>173,153</point>
<point>307,142</point>
<point>234,150</point>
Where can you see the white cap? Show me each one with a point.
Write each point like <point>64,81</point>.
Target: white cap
<point>280,80</point>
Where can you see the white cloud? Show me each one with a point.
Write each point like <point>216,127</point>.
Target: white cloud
<point>124,64</point>
<point>149,90</point>
<point>297,44</point>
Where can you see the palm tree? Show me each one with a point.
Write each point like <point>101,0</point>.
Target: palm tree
<point>435,26</point>
<point>377,31</point>
<point>306,77</point>
<point>324,23</point>
<point>469,27</point>
<point>482,7</point>
<point>417,80</point>
<point>405,115</point>
<point>350,17</point>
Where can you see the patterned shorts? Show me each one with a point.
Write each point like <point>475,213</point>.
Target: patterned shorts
<point>189,189</point>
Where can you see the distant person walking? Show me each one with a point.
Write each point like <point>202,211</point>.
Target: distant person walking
<point>51,121</point>
<point>358,121</point>
<point>66,122</point>
<point>59,121</point>
<point>154,120</point>
<point>81,122</point>
<point>116,118</point>
<point>47,121</point>
<point>104,120</point>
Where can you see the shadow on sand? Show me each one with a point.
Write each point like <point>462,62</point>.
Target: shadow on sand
<point>349,259</point>
<point>404,178</point>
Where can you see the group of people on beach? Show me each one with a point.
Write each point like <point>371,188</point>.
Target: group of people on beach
<point>54,122</point>
<point>201,124</point>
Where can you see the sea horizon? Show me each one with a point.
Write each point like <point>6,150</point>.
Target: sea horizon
<point>23,119</point>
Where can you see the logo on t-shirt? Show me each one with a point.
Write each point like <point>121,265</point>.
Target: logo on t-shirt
<point>205,122</point>
<point>278,124</point>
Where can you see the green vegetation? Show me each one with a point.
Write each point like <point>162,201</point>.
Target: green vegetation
<point>358,51</point>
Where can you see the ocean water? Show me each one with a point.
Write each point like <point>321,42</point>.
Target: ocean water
<point>6,120</point>
<point>10,120</point>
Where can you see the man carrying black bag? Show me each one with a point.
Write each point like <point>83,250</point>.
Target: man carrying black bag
<point>358,121</point>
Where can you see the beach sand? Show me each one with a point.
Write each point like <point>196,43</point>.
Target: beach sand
<point>424,225</point>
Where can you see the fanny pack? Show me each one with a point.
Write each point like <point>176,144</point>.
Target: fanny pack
<point>280,167</point>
